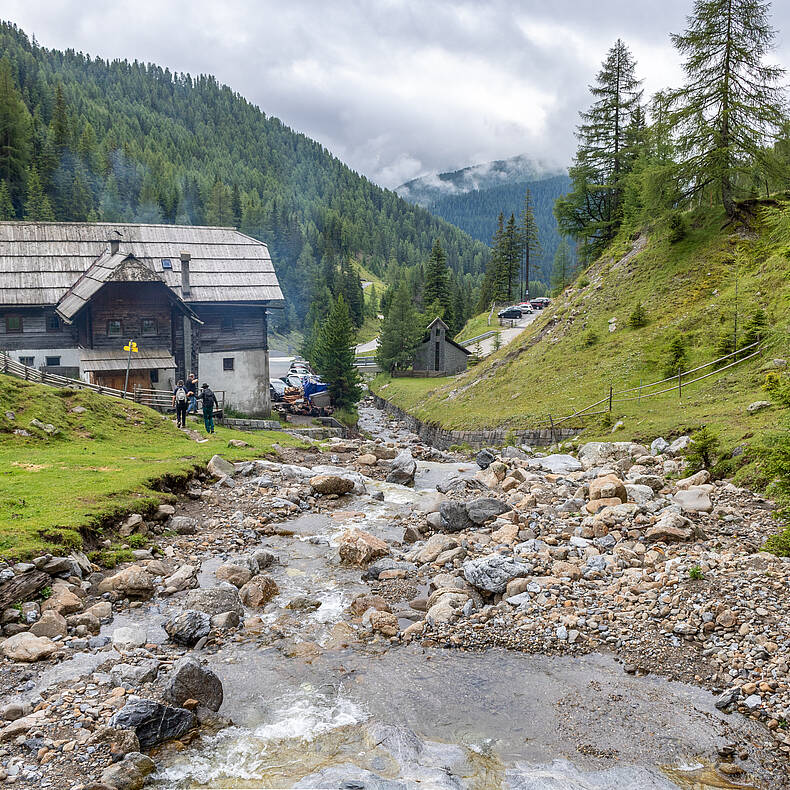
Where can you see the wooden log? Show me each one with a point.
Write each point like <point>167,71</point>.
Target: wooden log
<point>23,587</point>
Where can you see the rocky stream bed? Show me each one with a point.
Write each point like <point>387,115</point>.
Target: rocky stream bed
<point>379,615</point>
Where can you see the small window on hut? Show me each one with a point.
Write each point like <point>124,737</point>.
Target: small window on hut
<point>154,377</point>
<point>149,326</point>
<point>53,362</point>
<point>227,363</point>
<point>13,323</point>
<point>226,323</point>
<point>29,361</point>
<point>53,322</point>
<point>114,327</point>
<point>167,263</point>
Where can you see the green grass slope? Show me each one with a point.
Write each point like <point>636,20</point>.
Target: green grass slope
<point>568,358</point>
<point>103,463</point>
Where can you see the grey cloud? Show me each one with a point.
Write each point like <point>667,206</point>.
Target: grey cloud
<point>396,88</point>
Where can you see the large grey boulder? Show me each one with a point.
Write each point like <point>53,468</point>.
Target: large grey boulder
<point>131,582</point>
<point>558,464</point>
<point>594,454</point>
<point>135,674</point>
<point>191,680</point>
<point>680,445</point>
<point>484,459</point>
<point>454,516</point>
<point>129,773</point>
<point>403,468</point>
<point>27,647</point>
<point>331,484</point>
<point>340,471</point>
<point>189,627</point>
<point>128,637</point>
<point>659,446</point>
<point>694,500</point>
<point>674,528</point>
<point>183,525</point>
<point>215,600</point>
<point>639,493</point>
<point>493,572</point>
<point>485,508</point>
<point>219,467</point>
<point>153,722</point>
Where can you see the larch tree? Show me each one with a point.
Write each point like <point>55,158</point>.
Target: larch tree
<point>563,267</point>
<point>592,211</point>
<point>511,259</point>
<point>334,356</point>
<point>732,105</point>
<point>530,240</point>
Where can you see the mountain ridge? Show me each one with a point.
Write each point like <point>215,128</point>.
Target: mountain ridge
<point>428,188</point>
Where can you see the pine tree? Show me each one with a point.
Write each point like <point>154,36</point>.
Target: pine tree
<point>436,285</point>
<point>530,241</point>
<point>7,210</point>
<point>80,199</point>
<point>592,212</point>
<point>15,135</point>
<point>235,206</point>
<point>334,357</point>
<point>401,332</point>
<point>37,205</point>
<point>731,104</point>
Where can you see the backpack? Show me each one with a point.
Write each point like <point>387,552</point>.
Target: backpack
<point>181,395</point>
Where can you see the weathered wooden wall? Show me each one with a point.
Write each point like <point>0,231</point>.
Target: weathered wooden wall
<point>34,333</point>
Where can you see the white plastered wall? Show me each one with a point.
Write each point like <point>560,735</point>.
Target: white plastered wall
<point>246,386</point>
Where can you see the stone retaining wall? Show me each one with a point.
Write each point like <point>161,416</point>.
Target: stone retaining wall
<point>442,439</point>
<point>244,424</point>
<point>311,432</point>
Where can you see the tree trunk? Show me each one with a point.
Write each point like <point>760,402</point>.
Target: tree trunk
<point>23,587</point>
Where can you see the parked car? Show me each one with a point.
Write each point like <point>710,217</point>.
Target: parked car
<point>301,367</point>
<point>510,313</point>
<point>276,390</point>
<point>526,307</point>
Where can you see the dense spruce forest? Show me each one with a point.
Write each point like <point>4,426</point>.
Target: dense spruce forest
<point>85,139</point>
<point>477,211</point>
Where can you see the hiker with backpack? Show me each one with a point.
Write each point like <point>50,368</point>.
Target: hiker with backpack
<point>192,391</point>
<point>180,401</point>
<point>209,403</point>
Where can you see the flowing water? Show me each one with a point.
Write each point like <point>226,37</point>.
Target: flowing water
<point>314,707</point>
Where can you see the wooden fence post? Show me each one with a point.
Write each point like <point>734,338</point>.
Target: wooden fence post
<point>551,421</point>
<point>680,386</point>
<point>610,396</point>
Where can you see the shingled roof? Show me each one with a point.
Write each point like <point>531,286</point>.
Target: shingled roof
<point>41,261</point>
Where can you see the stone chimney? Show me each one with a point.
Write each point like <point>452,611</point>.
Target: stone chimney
<point>185,258</point>
<point>115,243</point>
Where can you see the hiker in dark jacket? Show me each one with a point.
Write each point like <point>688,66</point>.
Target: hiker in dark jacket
<point>192,391</point>
<point>180,401</point>
<point>209,403</point>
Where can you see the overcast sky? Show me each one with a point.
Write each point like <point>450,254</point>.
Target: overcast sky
<point>395,88</point>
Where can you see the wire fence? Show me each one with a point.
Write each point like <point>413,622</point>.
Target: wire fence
<point>679,381</point>
<point>161,400</point>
